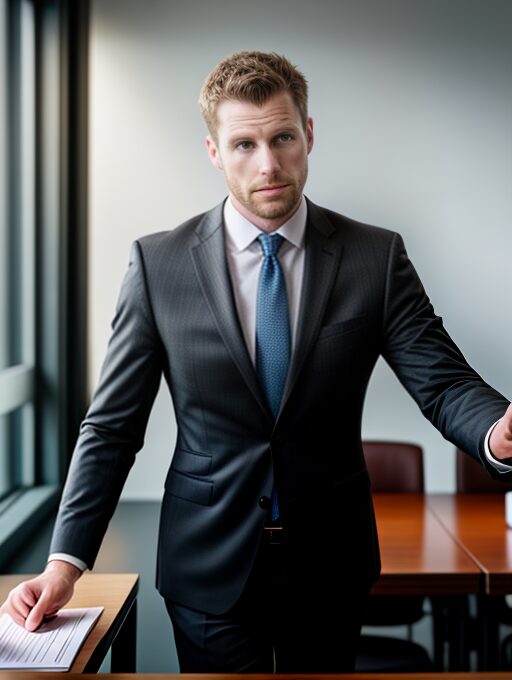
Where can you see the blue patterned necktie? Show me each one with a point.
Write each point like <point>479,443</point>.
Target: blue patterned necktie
<point>273,339</point>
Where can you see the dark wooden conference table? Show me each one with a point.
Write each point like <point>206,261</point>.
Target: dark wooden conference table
<point>449,545</point>
<point>477,523</point>
<point>441,545</point>
<point>419,555</point>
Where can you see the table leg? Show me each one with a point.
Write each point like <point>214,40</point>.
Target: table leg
<point>450,617</point>
<point>438,631</point>
<point>489,629</point>
<point>123,657</point>
<point>458,648</point>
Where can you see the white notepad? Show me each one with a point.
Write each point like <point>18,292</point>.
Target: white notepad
<point>52,647</point>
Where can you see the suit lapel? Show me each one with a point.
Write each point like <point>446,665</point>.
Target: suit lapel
<point>209,259</point>
<point>323,254</point>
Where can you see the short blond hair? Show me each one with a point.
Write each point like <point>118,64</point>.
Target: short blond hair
<point>252,77</point>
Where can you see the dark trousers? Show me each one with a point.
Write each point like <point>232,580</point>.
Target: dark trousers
<point>272,628</point>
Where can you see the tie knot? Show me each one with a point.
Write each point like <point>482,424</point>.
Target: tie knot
<point>270,243</point>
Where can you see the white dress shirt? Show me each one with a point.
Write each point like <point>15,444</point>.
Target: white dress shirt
<point>499,465</point>
<point>244,256</point>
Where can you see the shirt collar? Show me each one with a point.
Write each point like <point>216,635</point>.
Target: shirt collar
<point>240,232</point>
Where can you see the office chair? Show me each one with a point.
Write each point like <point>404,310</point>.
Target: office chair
<point>393,467</point>
<point>380,654</point>
<point>472,478</point>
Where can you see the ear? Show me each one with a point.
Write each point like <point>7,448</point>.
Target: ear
<point>309,134</point>
<point>213,153</point>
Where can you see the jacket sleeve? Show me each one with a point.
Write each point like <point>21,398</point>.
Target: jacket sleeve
<point>114,426</point>
<point>451,394</point>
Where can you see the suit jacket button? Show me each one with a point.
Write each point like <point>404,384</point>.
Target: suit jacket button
<point>264,502</point>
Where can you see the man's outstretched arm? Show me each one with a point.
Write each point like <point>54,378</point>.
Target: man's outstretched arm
<point>110,435</point>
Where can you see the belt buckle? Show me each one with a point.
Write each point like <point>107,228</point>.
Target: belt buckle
<point>274,534</point>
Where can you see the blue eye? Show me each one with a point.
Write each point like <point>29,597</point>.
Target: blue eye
<point>285,137</point>
<point>244,146</point>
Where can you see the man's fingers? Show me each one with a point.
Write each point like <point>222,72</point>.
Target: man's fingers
<point>37,614</point>
<point>47,606</point>
<point>19,603</point>
<point>32,601</point>
<point>26,605</point>
<point>24,598</point>
<point>52,613</point>
<point>20,620</point>
<point>19,606</point>
<point>500,441</point>
<point>508,418</point>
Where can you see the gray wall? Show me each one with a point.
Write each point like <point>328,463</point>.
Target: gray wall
<point>412,105</point>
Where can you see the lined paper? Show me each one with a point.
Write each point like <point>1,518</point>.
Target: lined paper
<point>52,647</point>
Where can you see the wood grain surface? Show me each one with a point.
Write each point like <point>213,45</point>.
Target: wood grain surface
<point>418,554</point>
<point>112,591</point>
<point>477,523</point>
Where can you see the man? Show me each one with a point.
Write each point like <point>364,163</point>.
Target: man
<point>267,540</point>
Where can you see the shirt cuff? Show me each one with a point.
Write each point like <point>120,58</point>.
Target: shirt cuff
<point>498,465</point>
<point>64,557</point>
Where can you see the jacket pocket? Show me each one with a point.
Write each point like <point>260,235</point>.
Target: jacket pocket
<point>192,462</point>
<point>343,326</point>
<point>189,488</point>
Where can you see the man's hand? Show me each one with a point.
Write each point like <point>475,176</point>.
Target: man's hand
<point>500,441</point>
<point>31,601</point>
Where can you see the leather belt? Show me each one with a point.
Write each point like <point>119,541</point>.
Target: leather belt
<point>273,535</point>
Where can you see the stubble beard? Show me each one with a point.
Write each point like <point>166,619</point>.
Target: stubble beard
<point>272,209</point>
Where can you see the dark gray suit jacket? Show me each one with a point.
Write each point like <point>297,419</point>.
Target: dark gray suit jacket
<point>176,315</point>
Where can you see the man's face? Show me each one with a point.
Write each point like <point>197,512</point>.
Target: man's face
<point>263,152</point>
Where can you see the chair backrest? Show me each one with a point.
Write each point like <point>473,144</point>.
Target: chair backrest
<point>472,478</point>
<point>394,467</point>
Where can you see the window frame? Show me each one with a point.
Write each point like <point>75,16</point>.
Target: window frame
<point>43,228</point>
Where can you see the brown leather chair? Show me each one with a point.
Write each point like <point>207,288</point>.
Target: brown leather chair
<point>393,467</point>
<point>472,478</point>
<point>379,654</point>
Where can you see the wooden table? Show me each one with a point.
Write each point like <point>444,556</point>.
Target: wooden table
<point>434,545</point>
<point>420,557</point>
<point>116,627</point>
<point>418,554</point>
<point>477,523</point>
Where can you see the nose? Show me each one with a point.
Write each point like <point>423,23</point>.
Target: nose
<point>268,160</point>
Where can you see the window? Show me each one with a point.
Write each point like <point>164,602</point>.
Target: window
<point>17,295</point>
<point>42,254</point>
